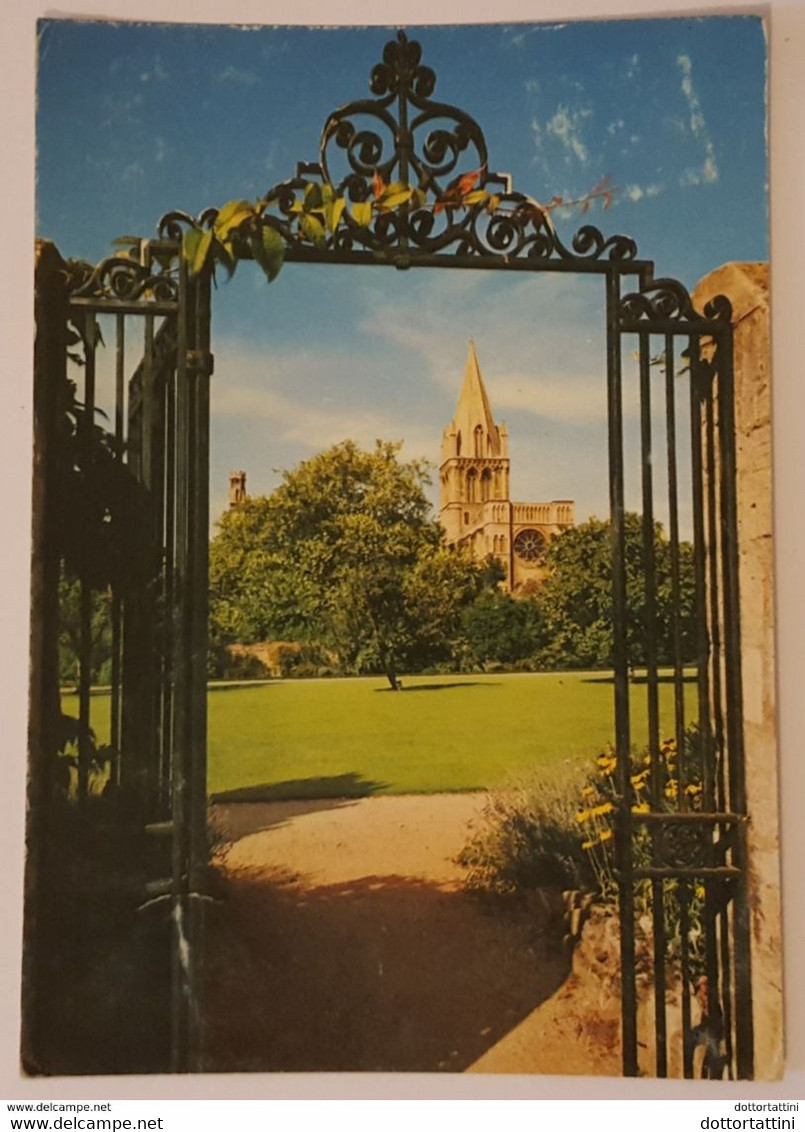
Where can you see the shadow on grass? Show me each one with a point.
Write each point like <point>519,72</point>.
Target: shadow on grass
<point>239,685</point>
<point>239,813</point>
<point>336,786</point>
<point>388,973</point>
<point>664,679</point>
<point>441,687</point>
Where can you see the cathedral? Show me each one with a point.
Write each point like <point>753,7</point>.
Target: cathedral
<point>476,507</point>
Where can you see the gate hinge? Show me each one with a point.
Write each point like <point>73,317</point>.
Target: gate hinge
<point>199,361</point>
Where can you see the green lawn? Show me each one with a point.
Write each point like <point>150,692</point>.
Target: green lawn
<point>334,738</point>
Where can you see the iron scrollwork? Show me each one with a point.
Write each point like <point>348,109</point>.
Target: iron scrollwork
<point>125,278</point>
<point>669,299</point>
<point>404,135</point>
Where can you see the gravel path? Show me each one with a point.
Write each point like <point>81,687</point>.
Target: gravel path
<point>344,940</point>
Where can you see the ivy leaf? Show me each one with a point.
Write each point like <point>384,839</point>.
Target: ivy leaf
<point>312,228</point>
<point>268,249</point>
<point>223,253</point>
<point>475,197</point>
<point>468,181</point>
<point>493,203</point>
<point>195,248</point>
<point>313,197</point>
<point>378,186</point>
<point>362,213</point>
<point>395,195</point>
<point>333,213</point>
<point>231,216</point>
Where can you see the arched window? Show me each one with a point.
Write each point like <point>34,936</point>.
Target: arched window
<point>458,443</point>
<point>486,484</point>
<point>472,485</point>
<point>479,441</point>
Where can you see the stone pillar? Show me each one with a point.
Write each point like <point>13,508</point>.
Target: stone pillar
<point>746,285</point>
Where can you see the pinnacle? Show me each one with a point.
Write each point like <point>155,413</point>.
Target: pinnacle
<point>473,407</point>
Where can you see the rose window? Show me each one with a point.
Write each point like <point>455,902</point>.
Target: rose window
<point>529,545</point>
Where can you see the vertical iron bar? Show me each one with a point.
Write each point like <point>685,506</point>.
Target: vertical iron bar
<point>724,1001</point>
<point>714,603</point>
<point>197,784</point>
<point>673,534</point>
<point>698,440</point>
<point>169,556</point>
<point>744,1028</point>
<point>621,675</point>
<point>85,614</point>
<point>683,895</point>
<point>117,643</point>
<point>182,692</point>
<point>697,431</point>
<point>650,637</point>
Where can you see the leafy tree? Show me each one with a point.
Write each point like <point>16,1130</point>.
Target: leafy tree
<point>345,553</point>
<point>501,628</point>
<point>576,597</point>
<point>70,632</point>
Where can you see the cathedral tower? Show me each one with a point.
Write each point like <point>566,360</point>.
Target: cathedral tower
<point>476,507</point>
<point>474,473</point>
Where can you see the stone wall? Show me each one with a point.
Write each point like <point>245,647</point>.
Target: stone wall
<point>747,287</point>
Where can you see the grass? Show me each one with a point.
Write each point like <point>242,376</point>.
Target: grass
<point>337,738</point>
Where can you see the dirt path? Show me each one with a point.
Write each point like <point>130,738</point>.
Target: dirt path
<point>344,941</point>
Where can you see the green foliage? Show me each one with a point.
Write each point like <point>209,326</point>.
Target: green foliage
<point>70,632</point>
<point>503,629</point>
<point>529,838</point>
<point>344,553</point>
<point>576,597</point>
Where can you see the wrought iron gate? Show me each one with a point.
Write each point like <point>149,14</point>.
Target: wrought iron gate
<point>127,525</point>
<point>682,854</point>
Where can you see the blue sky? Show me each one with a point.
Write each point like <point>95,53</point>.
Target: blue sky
<point>134,120</point>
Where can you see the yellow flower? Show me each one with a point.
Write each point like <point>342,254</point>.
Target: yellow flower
<point>588,792</point>
<point>589,844</point>
<point>639,780</point>
<point>606,835</point>
<point>599,811</point>
<point>672,790</point>
<point>700,892</point>
<point>692,789</point>
<point>641,808</point>
<point>582,815</point>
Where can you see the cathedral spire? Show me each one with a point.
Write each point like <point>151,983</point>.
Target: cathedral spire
<point>473,420</point>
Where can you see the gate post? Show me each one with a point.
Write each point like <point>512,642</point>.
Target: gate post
<point>747,286</point>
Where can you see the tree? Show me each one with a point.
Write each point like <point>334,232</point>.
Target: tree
<point>501,628</point>
<point>70,632</point>
<point>576,597</point>
<point>345,553</point>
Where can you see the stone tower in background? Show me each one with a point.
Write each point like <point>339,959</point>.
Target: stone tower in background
<point>476,506</point>
<point>237,488</point>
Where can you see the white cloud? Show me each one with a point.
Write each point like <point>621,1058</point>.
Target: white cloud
<point>707,172</point>
<point>238,75</point>
<point>631,66</point>
<point>637,192</point>
<point>565,127</point>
